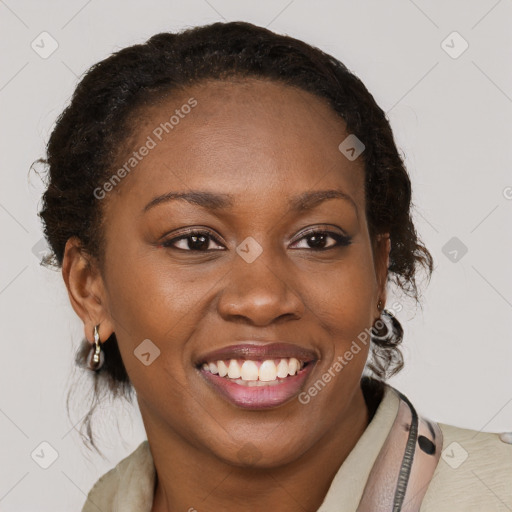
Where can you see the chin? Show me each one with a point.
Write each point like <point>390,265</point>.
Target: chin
<point>259,455</point>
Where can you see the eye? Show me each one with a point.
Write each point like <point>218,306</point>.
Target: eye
<point>318,240</point>
<point>198,241</point>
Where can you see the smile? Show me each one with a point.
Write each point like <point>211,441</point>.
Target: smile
<point>253,372</point>
<point>256,375</point>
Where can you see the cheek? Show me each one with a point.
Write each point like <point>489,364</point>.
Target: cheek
<point>148,294</point>
<point>154,315</point>
<point>343,298</point>
<point>149,299</point>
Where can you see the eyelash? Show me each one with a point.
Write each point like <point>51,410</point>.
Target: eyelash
<point>341,240</point>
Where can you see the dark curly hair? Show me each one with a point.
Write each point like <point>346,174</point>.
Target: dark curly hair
<point>81,152</point>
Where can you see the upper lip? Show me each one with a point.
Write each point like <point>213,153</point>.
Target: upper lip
<point>259,352</point>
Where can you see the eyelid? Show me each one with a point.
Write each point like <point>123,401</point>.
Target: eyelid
<point>168,242</point>
<point>322,228</point>
<point>341,240</point>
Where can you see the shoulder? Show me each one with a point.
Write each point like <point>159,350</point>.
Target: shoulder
<point>131,479</point>
<point>474,472</point>
<point>101,495</point>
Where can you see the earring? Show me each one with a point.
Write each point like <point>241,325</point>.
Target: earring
<point>382,322</point>
<point>96,356</point>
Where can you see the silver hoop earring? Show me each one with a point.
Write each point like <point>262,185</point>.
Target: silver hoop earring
<point>96,356</point>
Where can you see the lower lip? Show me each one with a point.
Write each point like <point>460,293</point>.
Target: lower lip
<point>259,397</point>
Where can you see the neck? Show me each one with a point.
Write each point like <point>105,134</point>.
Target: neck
<point>203,483</point>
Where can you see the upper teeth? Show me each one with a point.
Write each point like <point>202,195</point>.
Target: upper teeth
<point>265,371</point>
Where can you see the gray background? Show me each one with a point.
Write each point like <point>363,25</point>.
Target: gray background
<point>451,116</point>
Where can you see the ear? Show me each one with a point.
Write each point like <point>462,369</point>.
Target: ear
<point>382,250</point>
<point>86,290</point>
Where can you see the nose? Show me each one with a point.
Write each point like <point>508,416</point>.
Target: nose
<point>261,292</point>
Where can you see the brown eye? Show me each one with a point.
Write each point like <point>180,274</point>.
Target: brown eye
<point>198,241</point>
<point>319,240</point>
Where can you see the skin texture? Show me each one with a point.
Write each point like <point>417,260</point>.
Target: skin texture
<point>263,143</point>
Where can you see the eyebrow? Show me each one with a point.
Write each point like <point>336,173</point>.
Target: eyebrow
<point>198,197</point>
<point>214,201</point>
<point>308,200</point>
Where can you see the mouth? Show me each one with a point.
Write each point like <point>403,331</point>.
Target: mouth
<point>256,376</point>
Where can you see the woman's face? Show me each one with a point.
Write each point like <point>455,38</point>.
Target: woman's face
<point>256,154</point>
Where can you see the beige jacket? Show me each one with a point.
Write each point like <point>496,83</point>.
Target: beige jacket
<point>473,472</point>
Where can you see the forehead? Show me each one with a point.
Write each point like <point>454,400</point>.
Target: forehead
<point>249,135</point>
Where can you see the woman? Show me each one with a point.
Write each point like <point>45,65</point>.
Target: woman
<point>227,206</point>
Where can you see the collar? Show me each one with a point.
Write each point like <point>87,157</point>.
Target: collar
<point>349,482</point>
